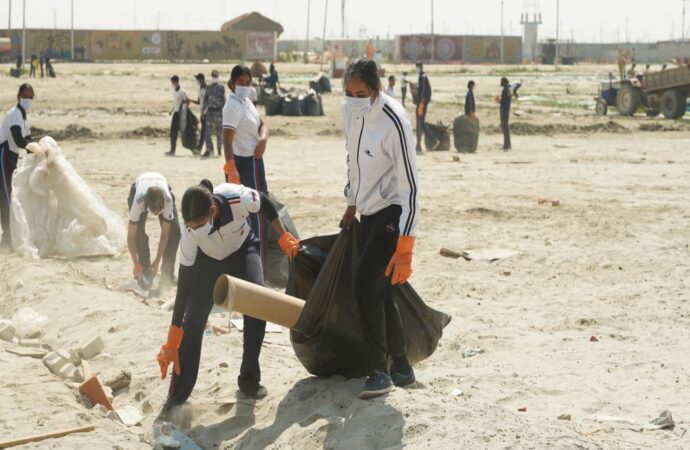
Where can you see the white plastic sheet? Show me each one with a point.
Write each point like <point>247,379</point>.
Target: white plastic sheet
<point>54,212</point>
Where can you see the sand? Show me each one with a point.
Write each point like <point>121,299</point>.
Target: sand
<point>609,262</point>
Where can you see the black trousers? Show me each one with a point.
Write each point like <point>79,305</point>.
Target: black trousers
<point>8,164</point>
<point>174,131</point>
<point>422,127</point>
<point>403,91</point>
<point>381,323</point>
<point>505,129</point>
<point>253,175</point>
<point>142,240</point>
<point>244,264</point>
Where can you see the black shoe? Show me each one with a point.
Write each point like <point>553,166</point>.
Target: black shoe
<point>252,389</point>
<point>376,385</point>
<point>403,379</point>
<point>170,153</point>
<point>205,155</point>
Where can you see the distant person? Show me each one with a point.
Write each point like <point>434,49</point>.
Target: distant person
<point>43,63</point>
<point>150,193</point>
<point>370,51</point>
<point>33,66</point>
<point>49,67</point>
<point>403,87</point>
<point>18,61</point>
<point>15,134</point>
<point>423,99</point>
<point>213,110</point>
<point>515,87</point>
<point>504,100</point>
<point>470,106</point>
<point>272,80</point>
<point>201,82</point>
<point>179,97</point>
<point>632,72</point>
<point>622,59</point>
<point>245,136</point>
<point>390,89</point>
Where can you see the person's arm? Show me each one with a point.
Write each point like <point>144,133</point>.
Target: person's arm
<point>351,210</point>
<point>162,244</point>
<point>19,140</point>
<point>263,140</point>
<point>204,110</point>
<point>231,119</point>
<point>132,247</point>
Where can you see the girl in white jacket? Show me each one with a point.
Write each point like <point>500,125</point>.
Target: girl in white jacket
<point>382,186</point>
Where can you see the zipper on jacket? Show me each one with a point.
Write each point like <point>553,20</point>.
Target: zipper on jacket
<point>359,169</point>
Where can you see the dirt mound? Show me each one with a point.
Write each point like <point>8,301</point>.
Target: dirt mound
<point>70,132</point>
<point>657,127</point>
<point>147,132</point>
<point>529,129</point>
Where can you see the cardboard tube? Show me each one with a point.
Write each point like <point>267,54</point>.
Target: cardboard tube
<point>257,301</point>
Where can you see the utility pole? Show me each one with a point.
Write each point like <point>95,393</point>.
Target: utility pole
<point>682,32</point>
<point>433,39</point>
<point>9,21</point>
<point>558,19</point>
<point>306,44</point>
<point>501,31</point>
<point>323,36</point>
<point>342,19</point>
<point>72,33</point>
<point>23,34</point>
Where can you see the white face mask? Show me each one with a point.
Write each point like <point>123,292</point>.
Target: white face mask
<point>203,231</point>
<point>26,103</point>
<point>358,106</point>
<point>214,80</point>
<point>243,92</point>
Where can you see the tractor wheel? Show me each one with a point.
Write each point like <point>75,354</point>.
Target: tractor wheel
<point>602,108</point>
<point>628,100</point>
<point>673,103</point>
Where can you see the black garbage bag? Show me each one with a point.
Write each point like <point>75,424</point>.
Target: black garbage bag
<point>441,133</point>
<point>292,106</point>
<point>277,266</point>
<point>188,128</point>
<point>466,133</point>
<point>274,104</point>
<point>328,336</point>
<point>324,84</point>
<point>313,105</point>
<point>315,86</point>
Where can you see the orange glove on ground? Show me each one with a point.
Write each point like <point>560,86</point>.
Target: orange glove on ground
<point>401,262</point>
<point>420,108</point>
<point>289,244</point>
<point>231,174</point>
<point>169,351</point>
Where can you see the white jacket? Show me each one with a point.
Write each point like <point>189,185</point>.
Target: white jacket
<point>382,162</point>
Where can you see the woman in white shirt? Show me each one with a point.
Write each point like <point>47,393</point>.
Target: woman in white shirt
<point>15,134</point>
<point>244,142</point>
<point>382,187</point>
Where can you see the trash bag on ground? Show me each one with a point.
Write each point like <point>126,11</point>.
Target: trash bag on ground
<point>292,106</point>
<point>324,83</point>
<point>312,104</point>
<point>277,266</point>
<point>188,128</point>
<point>328,336</point>
<point>440,132</point>
<point>54,211</point>
<point>466,133</point>
<point>274,104</point>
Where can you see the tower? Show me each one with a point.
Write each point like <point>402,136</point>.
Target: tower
<point>530,19</point>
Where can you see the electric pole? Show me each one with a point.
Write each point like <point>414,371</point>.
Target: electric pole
<point>9,22</point>
<point>433,39</point>
<point>501,31</point>
<point>323,36</point>
<point>23,34</point>
<point>558,19</point>
<point>72,32</point>
<point>682,32</point>
<point>306,45</point>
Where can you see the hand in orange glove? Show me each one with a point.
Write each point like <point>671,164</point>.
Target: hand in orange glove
<point>231,174</point>
<point>169,351</point>
<point>289,244</point>
<point>401,262</point>
<point>138,270</point>
<point>420,108</point>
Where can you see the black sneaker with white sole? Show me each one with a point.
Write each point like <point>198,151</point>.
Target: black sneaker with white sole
<point>251,389</point>
<point>376,385</point>
<point>401,379</point>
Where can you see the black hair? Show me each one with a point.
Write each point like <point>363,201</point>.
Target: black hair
<point>23,88</point>
<point>470,85</point>
<point>154,199</point>
<point>175,79</point>
<point>200,76</point>
<point>504,81</point>
<point>367,71</point>
<point>214,73</point>
<point>196,203</point>
<point>207,184</point>
<point>420,64</point>
<point>238,71</point>
<point>391,78</point>
<point>404,73</point>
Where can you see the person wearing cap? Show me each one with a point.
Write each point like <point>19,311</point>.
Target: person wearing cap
<point>201,81</point>
<point>214,101</point>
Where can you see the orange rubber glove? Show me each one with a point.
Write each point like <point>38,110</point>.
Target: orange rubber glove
<point>420,108</point>
<point>169,351</point>
<point>138,269</point>
<point>231,174</point>
<point>289,244</point>
<point>401,262</point>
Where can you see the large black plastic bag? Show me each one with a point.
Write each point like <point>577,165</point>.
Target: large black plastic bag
<point>328,336</point>
<point>188,128</point>
<point>277,266</point>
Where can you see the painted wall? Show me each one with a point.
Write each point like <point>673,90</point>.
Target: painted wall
<point>487,49</point>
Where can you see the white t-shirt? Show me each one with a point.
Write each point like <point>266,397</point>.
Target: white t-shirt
<point>202,94</point>
<point>229,232</point>
<point>178,96</point>
<point>141,185</point>
<point>242,117</point>
<point>389,91</point>
<point>14,117</point>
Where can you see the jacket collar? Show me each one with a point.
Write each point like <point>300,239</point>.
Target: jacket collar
<point>22,111</point>
<point>376,107</point>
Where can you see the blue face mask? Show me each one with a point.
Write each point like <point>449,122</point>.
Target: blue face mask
<point>358,105</point>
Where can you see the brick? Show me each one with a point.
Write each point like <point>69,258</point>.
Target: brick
<point>7,330</point>
<point>91,349</point>
<point>93,390</point>
<point>54,362</point>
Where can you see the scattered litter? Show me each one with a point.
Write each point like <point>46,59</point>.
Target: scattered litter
<point>472,351</point>
<point>129,415</point>
<point>456,158</point>
<point>166,435</point>
<point>523,409</point>
<point>507,273</point>
<point>28,323</point>
<point>44,436</point>
<point>545,201</point>
<point>663,421</point>
<point>456,392</point>
<point>490,255</point>
<point>217,331</point>
<point>7,330</point>
<point>166,442</point>
<point>564,417</point>
<point>519,113</point>
<point>593,339</point>
<point>565,146</point>
<point>120,381</point>
<point>59,363</point>
<point>32,342</point>
<point>91,349</point>
<point>132,286</point>
<point>94,392</point>
<point>30,353</point>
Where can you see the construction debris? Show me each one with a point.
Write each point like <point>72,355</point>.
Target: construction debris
<point>119,381</point>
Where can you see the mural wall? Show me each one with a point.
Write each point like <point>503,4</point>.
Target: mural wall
<point>487,49</point>
<point>447,48</point>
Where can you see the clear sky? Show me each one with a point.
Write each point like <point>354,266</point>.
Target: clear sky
<point>589,20</point>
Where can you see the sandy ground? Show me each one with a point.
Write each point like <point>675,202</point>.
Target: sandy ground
<point>610,262</point>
